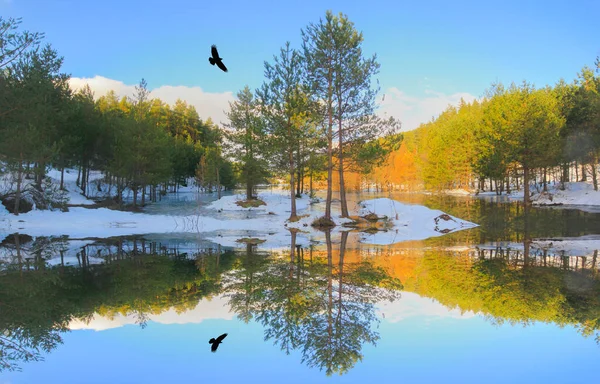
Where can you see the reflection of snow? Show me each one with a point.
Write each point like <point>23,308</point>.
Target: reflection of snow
<point>216,308</point>
<point>413,305</point>
<point>560,246</point>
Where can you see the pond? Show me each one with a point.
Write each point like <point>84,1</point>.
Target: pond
<point>514,300</point>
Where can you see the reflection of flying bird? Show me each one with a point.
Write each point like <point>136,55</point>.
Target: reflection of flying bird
<point>215,59</point>
<point>215,342</point>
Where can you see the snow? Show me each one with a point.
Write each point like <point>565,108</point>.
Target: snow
<point>575,194</point>
<point>410,222</point>
<point>580,193</point>
<point>270,224</point>
<point>458,191</point>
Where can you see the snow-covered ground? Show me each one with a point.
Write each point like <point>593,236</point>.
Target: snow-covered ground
<point>270,224</point>
<point>580,193</point>
<point>410,222</point>
<point>575,194</point>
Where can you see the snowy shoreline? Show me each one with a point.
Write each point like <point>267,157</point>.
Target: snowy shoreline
<point>269,223</point>
<point>575,194</point>
<point>413,222</point>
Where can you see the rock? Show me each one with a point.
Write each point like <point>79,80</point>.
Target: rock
<point>24,205</point>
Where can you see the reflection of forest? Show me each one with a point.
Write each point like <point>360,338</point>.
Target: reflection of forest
<point>324,308</point>
<point>502,221</point>
<point>504,284</point>
<point>40,300</point>
<point>319,300</point>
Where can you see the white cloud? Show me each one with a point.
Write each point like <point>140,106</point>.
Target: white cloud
<point>413,111</point>
<point>413,305</point>
<point>410,110</point>
<point>409,305</point>
<point>216,308</point>
<point>207,104</point>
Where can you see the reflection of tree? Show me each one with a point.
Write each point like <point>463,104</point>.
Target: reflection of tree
<point>31,319</point>
<point>241,284</point>
<point>37,305</point>
<point>323,308</point>
<point>511,286</point>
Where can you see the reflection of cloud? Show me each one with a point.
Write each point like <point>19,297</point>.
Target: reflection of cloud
<point>413,111</point>
<point>207,104</point>
<point>216,308</point>
<point>413,305</point>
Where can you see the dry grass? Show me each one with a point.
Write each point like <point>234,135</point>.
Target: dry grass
<point>371,217</point>
<point>250,240</point>
<point>323,222</point>
<point>253,203</point>
<point>297,218</point>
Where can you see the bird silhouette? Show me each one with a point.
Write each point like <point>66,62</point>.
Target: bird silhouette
<point>215,59</point>
<point>215,342</point>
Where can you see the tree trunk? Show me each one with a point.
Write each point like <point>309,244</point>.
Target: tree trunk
<point>565,176</point>
<point>545,181</point>
<point>143,195</point>
<point>329,142</point>
<point>298,167</point>
<point>311,182</point>
<point>83,173</point>
<point>292,184</point>
<point>249,190</point>
<point>594,175</point>
<point>526,185</point>
<point>583,173</point>
<point>62,178</point>
<point>19,182</point>
<point>218,184</point>
<point>343,202</point>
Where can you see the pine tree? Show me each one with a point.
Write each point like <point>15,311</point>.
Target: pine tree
<point>245,140</point>
<point>341,78</point>
<point>285,107</point>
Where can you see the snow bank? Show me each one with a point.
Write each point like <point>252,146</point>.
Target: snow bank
<point>410,222</point>
<point>278,201</point>
<point>580,193</point>
<point>270,224</point>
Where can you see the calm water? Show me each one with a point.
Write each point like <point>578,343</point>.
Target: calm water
<point>489,304</point>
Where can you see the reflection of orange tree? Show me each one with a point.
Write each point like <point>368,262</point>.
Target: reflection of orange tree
<point>37,305</point>
<point>503,284</point>
<point>504,292</point>
<point>324,308</point>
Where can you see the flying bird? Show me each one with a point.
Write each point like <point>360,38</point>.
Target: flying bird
<point>215,59</point>
<point>215,342</point>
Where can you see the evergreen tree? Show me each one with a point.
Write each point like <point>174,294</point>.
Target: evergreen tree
<point>285,107</point>
<point>245,140</point>
<point>341,77</point>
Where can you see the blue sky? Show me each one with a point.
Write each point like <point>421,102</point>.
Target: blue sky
<point>419,347</point>
<point>429,50</point>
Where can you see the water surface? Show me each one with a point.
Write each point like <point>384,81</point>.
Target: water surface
<point>488,304</point>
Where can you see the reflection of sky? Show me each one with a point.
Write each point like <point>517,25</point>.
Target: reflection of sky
<point>420,342</point>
